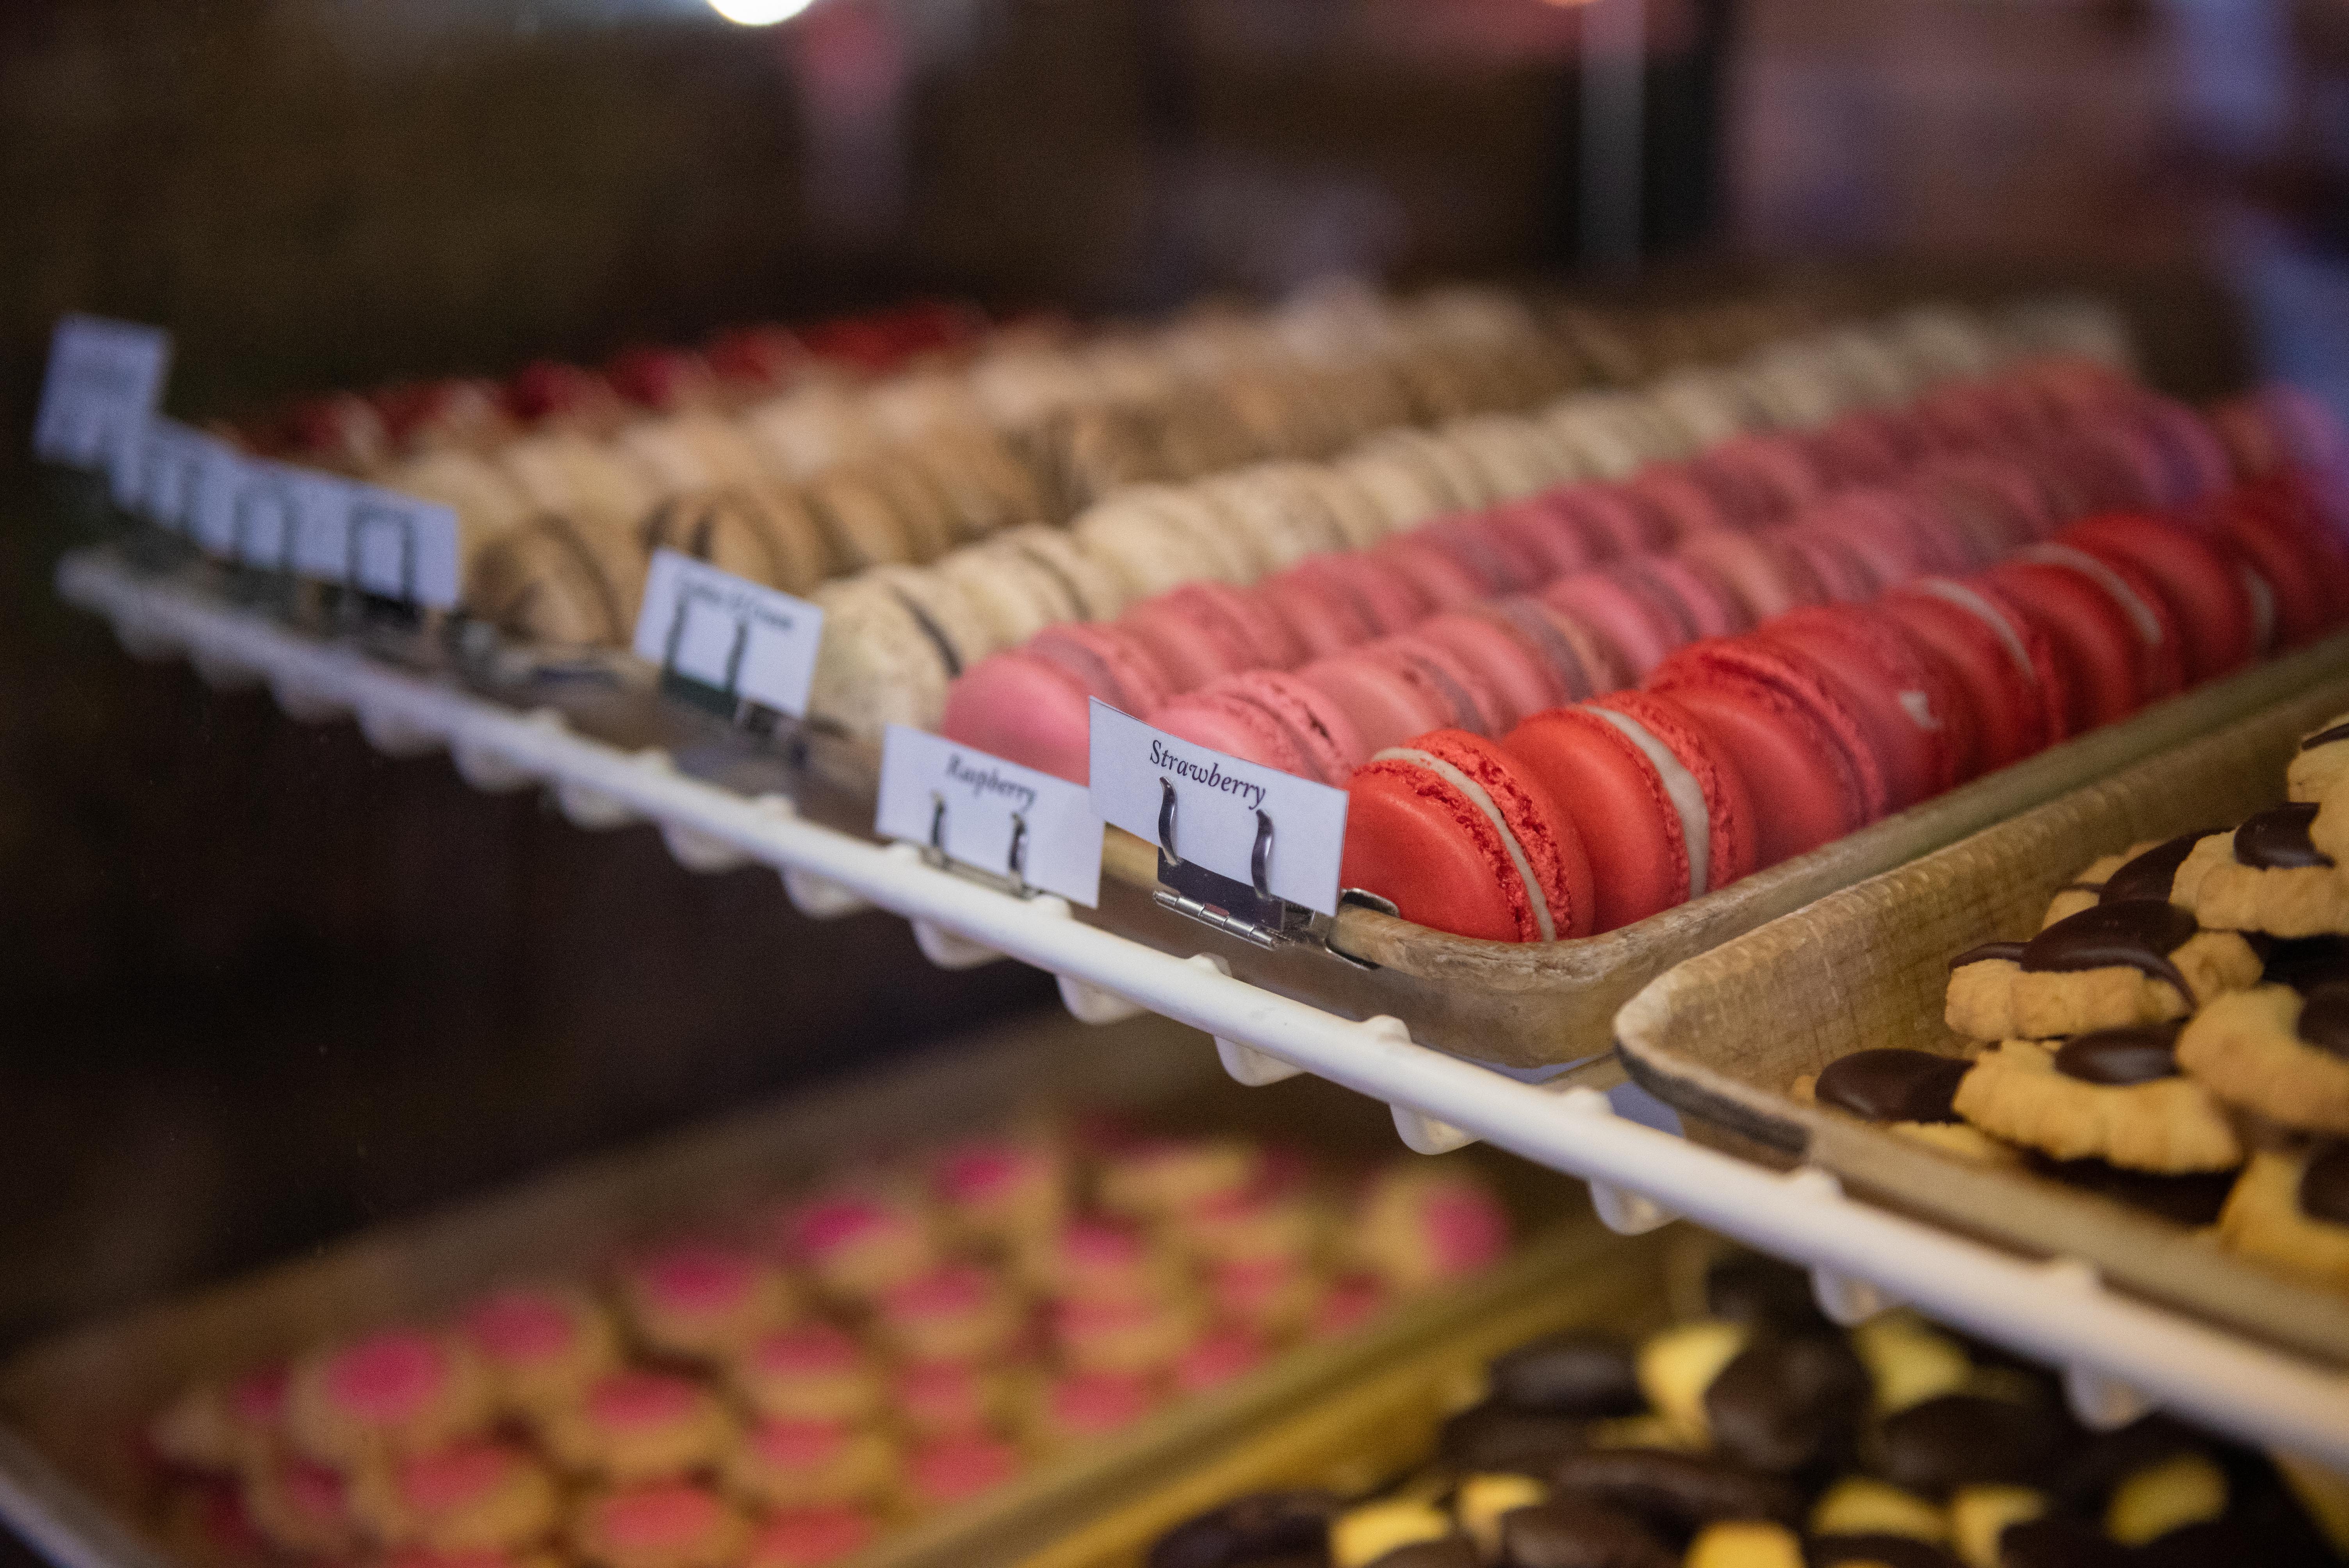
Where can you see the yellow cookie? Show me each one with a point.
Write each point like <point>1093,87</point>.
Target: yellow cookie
<point>2111,1095</point>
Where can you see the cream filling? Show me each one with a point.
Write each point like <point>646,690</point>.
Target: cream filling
<point>1983,610</point>
<point>1483,802</point>
<point>2148,624</point>
<point>1680,788</point>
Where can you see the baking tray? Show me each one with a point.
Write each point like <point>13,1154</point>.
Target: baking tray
<point>1723,1037</point>
<point>73,1479</point>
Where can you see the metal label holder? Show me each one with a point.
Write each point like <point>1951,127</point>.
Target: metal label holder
<point>1012,879</point>
<point>724,701</point>
<point>1249,910</point>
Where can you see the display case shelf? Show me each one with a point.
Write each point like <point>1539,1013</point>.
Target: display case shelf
<point>2121,1354</point>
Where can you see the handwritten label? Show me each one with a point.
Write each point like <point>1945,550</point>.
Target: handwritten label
<point>1217,799</point>
<point>105,378</point>
<point>986,801</point>
<point>728,632</point>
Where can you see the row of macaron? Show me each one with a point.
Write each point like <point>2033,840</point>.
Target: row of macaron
<point>895,638</point>
<point>1583,589</point>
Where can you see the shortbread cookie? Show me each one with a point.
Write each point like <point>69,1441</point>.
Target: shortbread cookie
<point>2115,1094</point>
<point>2139,960</point>
<point>2083,891</point>
<point>2291,1210</point>
<point>2147,870</point>
<point>2273,1051</point>
<point>2277,879</point>
<point>2324,756</point>
<point>1909,1093</point>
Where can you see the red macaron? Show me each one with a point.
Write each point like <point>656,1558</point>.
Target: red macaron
<point>2097,652</point>
<point>1917,711</point>
<point>1463,838</point>
<point>2203,583</point>
<point>1665,817</point>
<point>2161,644</point>
<point>1999,653</point>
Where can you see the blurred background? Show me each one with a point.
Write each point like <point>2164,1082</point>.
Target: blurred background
<point>266,985</point>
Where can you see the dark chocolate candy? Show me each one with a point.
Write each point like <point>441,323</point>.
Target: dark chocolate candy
<point>1875,1546</point>
<point>2121,1057</point>
<point>2324,1018</point>
<point>2059,1543</point>
<point>1451,1551</point>
<point>1570,1375</point>
<point>2307,961</point>
<point>2325,737</point>
<point>1576,1532</point>
<point>2152,873</point>
<point>2193,1199</point>
<point>1783,1404</point>
<point>1251,1530</point>
<point>2277,840</point>
<point>1675,1493</point>
<point>1762,1293</point>
<point>2140,934</point>
<point>1989,951</point>
<point>2324,1183</point>
<point>1891,1085</point>
<point>1964,1439</point>
<point>2085,1474</point>
<point>1491,1437</point>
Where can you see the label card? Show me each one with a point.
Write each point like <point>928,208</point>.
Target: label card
<point>395,545</point>
<point>104,379</point>
<point>1059,833</point>
<point>162,474</point>
<point>728,632</point>
<point>1217,799</point>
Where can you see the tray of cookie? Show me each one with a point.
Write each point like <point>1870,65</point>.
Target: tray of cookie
<point>1721,1422</point>
<point>901,1321</point>
<point>2100,1031</point>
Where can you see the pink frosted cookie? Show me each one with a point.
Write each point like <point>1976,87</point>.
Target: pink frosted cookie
<point>949,1469</point>
<point>540,1345</point>
<point>1272,1294</point>
<point>1350,1304</point>
<point>672,1524</point>
<point>859,1244</point>
<point>1246,1224</point>
<point>815,1372</point>
<point>800,1464</point>
<point>933,1399</point>
<point>1217,1358</point>
<point>638,1427</point>
<point>1154,1176</point>
<point>704,1301</point>
<point>474,1496</point>
<point>1143,1335</point>
<point>811,1538</point>
<point>1088,1405</point>
<point>1418,1227</point>
<point>400,1391</point>
<point>216,1426</point>
<point>958,1312</point>
<point>1092,1260</point>
<point>998,1189</point>
<point>300,1507</point>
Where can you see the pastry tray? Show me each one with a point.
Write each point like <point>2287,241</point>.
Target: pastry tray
<point>1723,1035</point>
<point>72,1480</point>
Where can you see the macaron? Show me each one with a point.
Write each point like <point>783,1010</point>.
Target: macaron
<point>1808,760</point>
<point>1272,718</point>
<point>1448,584</point>
<point>1918,714</point>
<point>2287,546</point>
<point>1648,605</point>
<point>2161,652</point>
<point>1321,615</point>
<point>1398,687</point>
<point>1998,653</point>
<point>2209,603</point>
<point>1496,557</point>
<point>1385,593</point>
<point>1032,705</point>
<point>1616,520</point>
<point>1545,535</point>
<point>1665,816</point>
<point>1688,506</point>
<point>1515,666</point>
<point>1462,839</point>
<point>1841,571</point>
<point>1583,663</point>
<point>2097,652</point>
<point>1767,575</point>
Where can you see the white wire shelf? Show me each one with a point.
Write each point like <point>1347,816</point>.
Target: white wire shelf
<point>2121,1356</point>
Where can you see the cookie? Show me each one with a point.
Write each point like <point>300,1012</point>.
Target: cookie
<point>2291,1210</point>
<point>2147,870</point>
<point>2136,961</point>
<point>2278,879</point>
<point>2083,890</point>
<point>1906,1092</point>
<point>2113,1094</point>
<point>2324,756</point>
<point>2273,1050</point>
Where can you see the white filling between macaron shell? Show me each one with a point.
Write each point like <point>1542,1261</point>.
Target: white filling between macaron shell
<point>1680,788</point>
<point>1988,613</point>
<point>2148,624</point>
<point>1483,802</point>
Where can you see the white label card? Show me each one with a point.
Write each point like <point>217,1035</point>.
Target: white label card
<point>393,544</point>
<point>161,475</point>
<point>104,379</point>
<point>728,632</point>
<point>985,799</point>
<point>1217,799</point>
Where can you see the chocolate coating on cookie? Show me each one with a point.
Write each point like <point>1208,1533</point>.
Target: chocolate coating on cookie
<point>2324,1018</point>
<point>2277,840</point>
<point>2119,1057</point>
<point>2324,1183</point>
<point>1991,952</point>
<point>1676,1493</point>
<point>2058,1543</point>
<point>2325,737</point>
<point>1570,1375</point>
<point>1934,1447</point>
<point>2152,873</point>
<point>1783,1405</point>
<point>2193,1199</point>
<point>1491,1437</point>
<point>1892,1085</point>
<point>1250,1530</point>
<point>1876,1547</point>
<point>1762,1293</point>
<point>2139,935</point>
<point>1577,1532</point>
<point>1451,1551</point>
<point>2305,963</point>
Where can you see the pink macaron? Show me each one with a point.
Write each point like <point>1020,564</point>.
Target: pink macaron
<point>1401,686</point>
<point>1272,718</point>
<point>1032,705</point>
<point>1443,579</point>
<point>1322,617</point>
<point>1383,592</point>
<point>1540,532</point>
